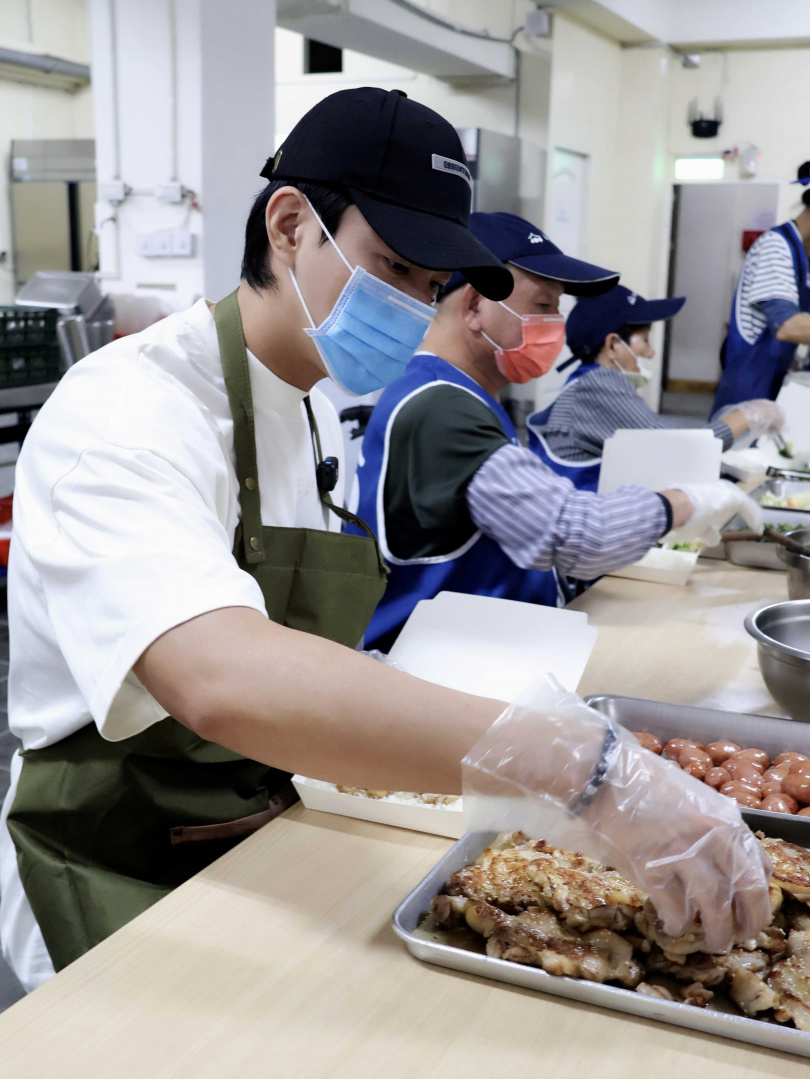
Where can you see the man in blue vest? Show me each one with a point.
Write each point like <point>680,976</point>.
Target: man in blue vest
<point>458,505</point>
<point>770,311</point>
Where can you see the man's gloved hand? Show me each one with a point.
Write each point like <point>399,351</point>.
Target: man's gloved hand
<point>713,505</point>
<point>763,417</point>
<point>557,769</point>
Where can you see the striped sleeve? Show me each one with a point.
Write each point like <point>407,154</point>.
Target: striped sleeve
<point>594,407</point>
<point>770,274</point>
<point>542,521</point>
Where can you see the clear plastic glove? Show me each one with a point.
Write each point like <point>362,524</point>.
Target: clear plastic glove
<point>560,771</point>
<point>763,417</point>
<point>713,506</point>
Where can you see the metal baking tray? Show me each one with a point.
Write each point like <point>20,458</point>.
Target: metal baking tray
<point>430,947</point>
<point>782,487</point>
<point>706,725</point>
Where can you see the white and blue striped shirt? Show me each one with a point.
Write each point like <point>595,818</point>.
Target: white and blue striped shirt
<point>595,406</point>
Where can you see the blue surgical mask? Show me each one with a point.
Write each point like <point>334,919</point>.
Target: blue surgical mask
<point>370,335</point>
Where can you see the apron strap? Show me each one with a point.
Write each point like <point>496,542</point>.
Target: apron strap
<point>235,368</point>
<point>345,515</point>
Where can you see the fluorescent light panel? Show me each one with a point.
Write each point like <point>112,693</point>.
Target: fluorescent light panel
<point>699,168</point>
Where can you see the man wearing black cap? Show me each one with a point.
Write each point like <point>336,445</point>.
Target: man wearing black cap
<point>457,503</point>
<point>183,606</point>
<point>609,336</point>
<point>180,487</point>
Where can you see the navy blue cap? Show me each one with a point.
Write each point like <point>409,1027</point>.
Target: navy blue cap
<point>594,317</point>
<point>522,244</point>
<point>803,175</point>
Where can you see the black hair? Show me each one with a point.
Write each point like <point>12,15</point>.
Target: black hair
<point>330,203</point>
<point>625,332</point>
<point>806,197</point>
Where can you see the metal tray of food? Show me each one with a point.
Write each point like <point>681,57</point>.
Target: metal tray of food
<point>707,725</point>
<point>430,945</point>
<point>761,553</point>
<point>784,489</point>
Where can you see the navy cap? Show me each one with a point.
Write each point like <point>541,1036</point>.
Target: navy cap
<point>404,167</point>
<point>802,174</point>
<point>523,244</point>
<point>594,317</point>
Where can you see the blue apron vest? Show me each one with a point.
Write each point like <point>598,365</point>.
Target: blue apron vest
<point>758,369</point>
<point>583,474</point>
<point>480,566</point>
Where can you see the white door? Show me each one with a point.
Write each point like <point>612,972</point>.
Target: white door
<point>567,212</point>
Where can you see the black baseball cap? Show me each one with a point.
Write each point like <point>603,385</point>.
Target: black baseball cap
<point>523,244</point>
<point>594,317</point>
<point>405,168</point>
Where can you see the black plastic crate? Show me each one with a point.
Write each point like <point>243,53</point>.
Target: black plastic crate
<point>29,347</point>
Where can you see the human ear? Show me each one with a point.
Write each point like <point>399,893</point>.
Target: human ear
<point>284,220</point>
<point>471,303</point>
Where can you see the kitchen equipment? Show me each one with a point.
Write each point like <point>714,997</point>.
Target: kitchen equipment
<point>798,566</point>
<point>435,946</point>
<point>73,294</point>
<point>782,488</point>
<point>29,348</point>
<point>803,475</point>
<point>73,339</point>
<point>782,633</point>
<point>492,647</point>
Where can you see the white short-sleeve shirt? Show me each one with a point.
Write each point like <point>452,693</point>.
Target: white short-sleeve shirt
<point>125,507</point>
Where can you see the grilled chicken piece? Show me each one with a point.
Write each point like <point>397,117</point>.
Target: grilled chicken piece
<point>790,983</point>
<point>674,948</point>
<point>750,993</point>
<point>697,995</point>
<point>658,991</point>
<point>797,916</point>
<point>517,874</point>
<point>538,938</point>
<point>791,867</point>
<point>798,943</point>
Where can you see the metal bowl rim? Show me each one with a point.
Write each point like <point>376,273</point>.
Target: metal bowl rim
<point>762,638</point>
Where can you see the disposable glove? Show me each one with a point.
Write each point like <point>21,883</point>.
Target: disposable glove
<point>713,506</point>
<point>763,417</point>
<point>561,771</point>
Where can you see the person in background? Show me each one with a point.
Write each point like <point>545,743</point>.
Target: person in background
<point>458,505</point>
<point>610,336</point>
<point>770,311</point>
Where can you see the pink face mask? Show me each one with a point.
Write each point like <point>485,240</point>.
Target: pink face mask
<point>543,339</point>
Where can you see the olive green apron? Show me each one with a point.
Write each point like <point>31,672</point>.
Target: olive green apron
<point>104,829</point>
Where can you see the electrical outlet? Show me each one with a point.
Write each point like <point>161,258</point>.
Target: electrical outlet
<point>161,244</point>
<point>183,243</point>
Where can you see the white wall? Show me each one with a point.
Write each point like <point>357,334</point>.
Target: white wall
<point>58,27</point>
<point>224,133</point>
<point>765,98</point>
<point>495,107</point>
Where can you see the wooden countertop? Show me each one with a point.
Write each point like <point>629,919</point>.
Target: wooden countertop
<point>279,959</point>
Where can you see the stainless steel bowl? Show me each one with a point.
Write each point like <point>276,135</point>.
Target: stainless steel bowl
<point>798,566</point>
<point>782,633</point>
